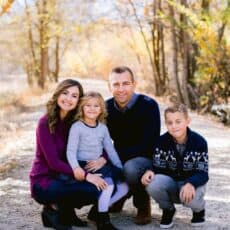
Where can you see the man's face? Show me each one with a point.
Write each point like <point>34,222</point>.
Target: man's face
<point>122,87</point>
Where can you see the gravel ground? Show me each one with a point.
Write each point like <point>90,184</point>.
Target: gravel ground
<point>19,211</point>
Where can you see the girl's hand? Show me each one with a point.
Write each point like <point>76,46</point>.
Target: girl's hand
<point>79,174</point>
<point>97,181</point>
<point>94,165</point>
<point>187,193</point>
<point>147,177</point>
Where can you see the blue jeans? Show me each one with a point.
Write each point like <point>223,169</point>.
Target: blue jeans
<point>108,170</point>
<point>133,171</point>
<point>66,192</point>
<point>166,191</point>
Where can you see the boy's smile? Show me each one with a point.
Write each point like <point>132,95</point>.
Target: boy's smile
<point>177,124</point>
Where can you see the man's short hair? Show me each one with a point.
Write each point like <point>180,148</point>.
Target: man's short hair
<point>122,69</point>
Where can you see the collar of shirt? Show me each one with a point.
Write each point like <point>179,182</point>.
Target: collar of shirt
<point>129,105</point>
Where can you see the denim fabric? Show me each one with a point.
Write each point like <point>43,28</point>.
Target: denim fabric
<point>133,171</point>
<point>166,192</point>
<point>67,191</point>
<point>108,170</point>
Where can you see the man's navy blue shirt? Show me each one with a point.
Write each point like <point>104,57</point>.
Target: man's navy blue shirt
<point>135,129</point>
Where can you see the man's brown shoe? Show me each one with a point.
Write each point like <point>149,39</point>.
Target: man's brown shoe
<point>143,215</point>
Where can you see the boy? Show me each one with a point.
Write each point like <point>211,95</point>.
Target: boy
<point>180,168</point>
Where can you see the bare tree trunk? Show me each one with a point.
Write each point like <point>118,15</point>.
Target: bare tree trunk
<point>158,49</point>
<point>205,6</point>
<point>223,26</point>
<point>57,61</point>
<point>185,57</point>
<point>31,64</point>
<point>147,48</point>
<point>174,73</point>
<point>42,12</point>
<point>162,71</point>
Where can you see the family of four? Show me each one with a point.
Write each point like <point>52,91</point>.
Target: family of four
<point>81,159</point>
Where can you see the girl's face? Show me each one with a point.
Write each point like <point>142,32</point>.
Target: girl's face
<point>91,109</point>
<point>68,100</point>
<point>177,124</point>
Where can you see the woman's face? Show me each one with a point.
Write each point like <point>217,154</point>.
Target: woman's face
<point>68,100</point>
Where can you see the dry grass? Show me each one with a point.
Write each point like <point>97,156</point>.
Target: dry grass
<point>7,166</point>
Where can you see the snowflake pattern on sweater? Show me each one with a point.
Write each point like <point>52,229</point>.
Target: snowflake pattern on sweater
<point>191,166</point>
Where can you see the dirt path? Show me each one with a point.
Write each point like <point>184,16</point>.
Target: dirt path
<point>19,211</point>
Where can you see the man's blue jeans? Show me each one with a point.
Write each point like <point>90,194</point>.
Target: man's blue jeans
<point>133,171</point>
<point>166,191</point>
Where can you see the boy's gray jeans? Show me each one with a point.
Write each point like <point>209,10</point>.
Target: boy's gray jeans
<point>165,191</point>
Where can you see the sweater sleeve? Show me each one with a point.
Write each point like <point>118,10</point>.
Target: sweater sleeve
<point>151,132</point>
<point>72,146</point>
<point>109,148</point>
<point>200,177</point>
<point>49,149</point>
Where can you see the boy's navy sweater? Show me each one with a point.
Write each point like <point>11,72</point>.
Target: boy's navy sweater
<point>135,130</point>
<point>192,167</point>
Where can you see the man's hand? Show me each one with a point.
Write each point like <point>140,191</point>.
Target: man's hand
<point>187,193</point>
<point>147,177</point>
<point>79,174</point>
<point>97,181</point>
<point>94,165</point>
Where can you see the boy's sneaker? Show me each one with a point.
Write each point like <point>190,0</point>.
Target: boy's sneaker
<point>167,218</point>
<point>198,218</point>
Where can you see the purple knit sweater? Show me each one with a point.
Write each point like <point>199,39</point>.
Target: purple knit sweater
<point>50,159</point>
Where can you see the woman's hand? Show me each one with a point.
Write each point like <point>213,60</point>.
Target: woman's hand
<point>79,174</point>
<point>187,193</point>
<point>147,177</point>
<point>97,181</point>
<point>94,165</point>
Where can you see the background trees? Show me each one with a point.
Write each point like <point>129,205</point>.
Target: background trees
<point>175,46</point>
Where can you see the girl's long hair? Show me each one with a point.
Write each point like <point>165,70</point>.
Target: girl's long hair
<point>53,110</point>
<point>83,101</point>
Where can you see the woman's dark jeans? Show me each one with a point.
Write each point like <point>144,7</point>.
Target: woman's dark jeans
<point>67,192</point>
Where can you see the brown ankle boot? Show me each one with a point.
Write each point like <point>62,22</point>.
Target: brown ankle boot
<point>144,215</point>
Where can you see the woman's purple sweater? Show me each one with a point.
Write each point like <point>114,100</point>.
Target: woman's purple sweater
<point>50,159</point>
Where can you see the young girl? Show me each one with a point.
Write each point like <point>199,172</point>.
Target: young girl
<point>87,139</point>
<point>180,168</point>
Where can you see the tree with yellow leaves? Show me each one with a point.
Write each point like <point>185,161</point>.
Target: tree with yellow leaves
<point>5,5</point>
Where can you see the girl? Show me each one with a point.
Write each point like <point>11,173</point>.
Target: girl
<point>87,138</point>
<point>50,168</point>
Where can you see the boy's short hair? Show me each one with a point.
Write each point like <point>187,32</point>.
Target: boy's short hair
<point>176,106</point>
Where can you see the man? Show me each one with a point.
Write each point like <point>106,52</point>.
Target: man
<point>134,124</point>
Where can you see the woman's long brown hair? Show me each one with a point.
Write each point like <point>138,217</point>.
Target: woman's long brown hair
<point>53,109</point>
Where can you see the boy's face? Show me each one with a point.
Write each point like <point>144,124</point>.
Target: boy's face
<point>177,124</point>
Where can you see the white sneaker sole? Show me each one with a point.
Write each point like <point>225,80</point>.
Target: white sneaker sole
<point>164,226</point>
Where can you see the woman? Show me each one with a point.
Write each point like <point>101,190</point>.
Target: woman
<point>51,177</point>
